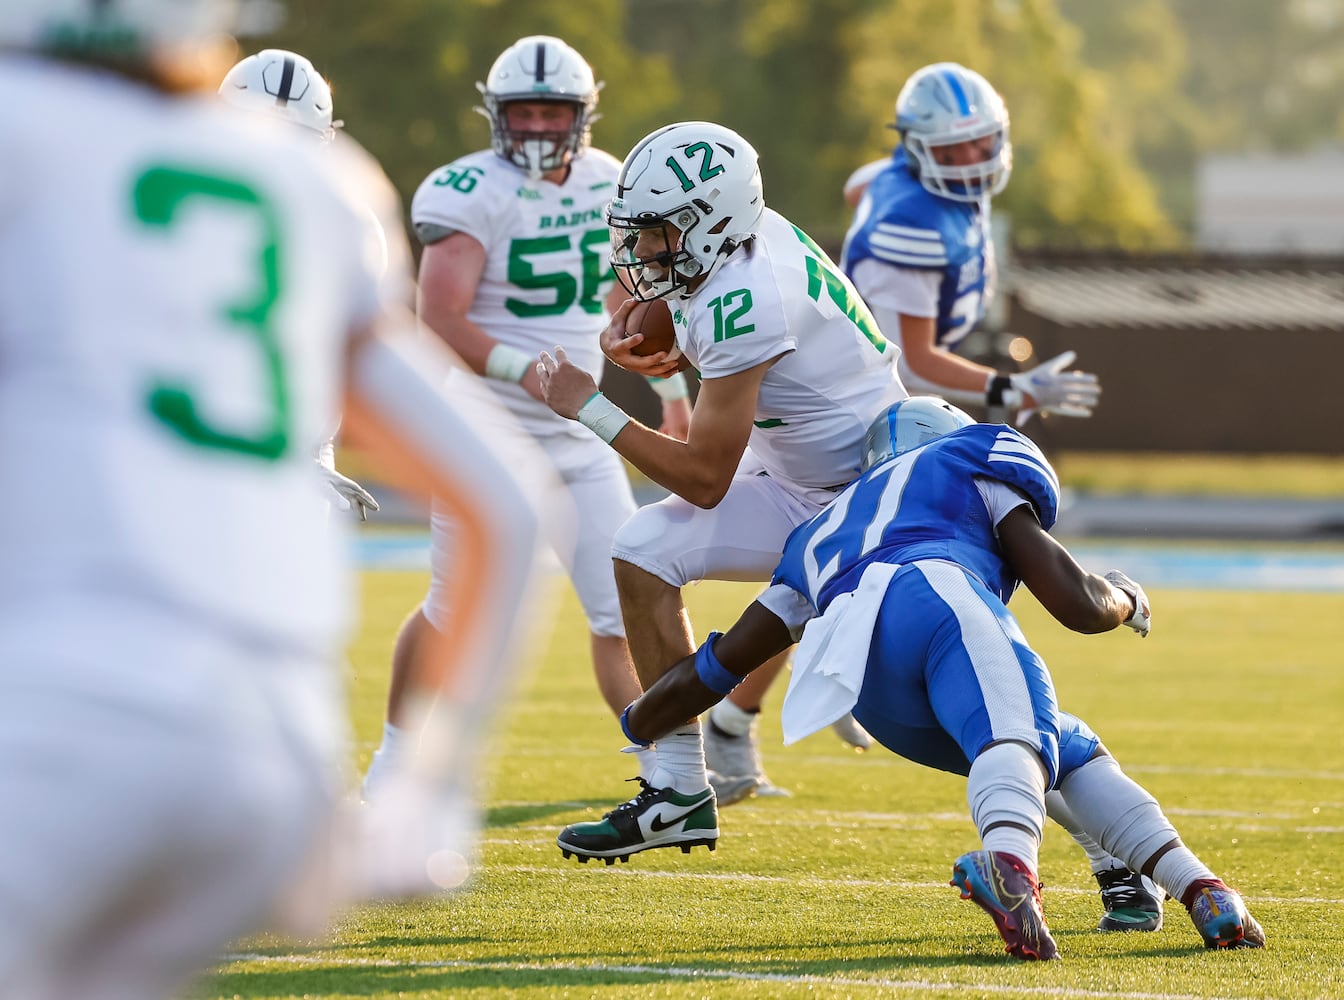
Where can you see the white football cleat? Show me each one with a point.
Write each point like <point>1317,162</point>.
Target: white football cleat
<point>852,733</point>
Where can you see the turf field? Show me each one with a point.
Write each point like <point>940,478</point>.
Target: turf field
<point>1230,713</point>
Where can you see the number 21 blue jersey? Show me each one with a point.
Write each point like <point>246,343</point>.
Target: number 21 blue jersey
<point>923,504</point>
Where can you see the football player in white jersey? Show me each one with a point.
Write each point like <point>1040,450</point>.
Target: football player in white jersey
<point>901,584</point>
<point>515,262</point>
<point>792,370</point>
<point>185,295</point>
<point>288,86</point>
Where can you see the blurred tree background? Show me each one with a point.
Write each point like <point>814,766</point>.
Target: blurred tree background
<point>1112,103</point>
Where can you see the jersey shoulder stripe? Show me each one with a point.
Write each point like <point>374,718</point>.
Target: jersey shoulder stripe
<point>1015,459</point>
<point>907,251</point>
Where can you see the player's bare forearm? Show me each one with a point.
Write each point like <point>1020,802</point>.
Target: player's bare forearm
<point>681,694</point>
<point>697,474</point>
<point>1078,599</point>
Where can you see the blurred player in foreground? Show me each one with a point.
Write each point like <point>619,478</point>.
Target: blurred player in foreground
<point>288,86</point>
<point>901,585</point>
<point>514,263</point>
<point>179,317</point>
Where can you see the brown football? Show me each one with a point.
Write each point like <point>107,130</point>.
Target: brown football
<point>654,320</point>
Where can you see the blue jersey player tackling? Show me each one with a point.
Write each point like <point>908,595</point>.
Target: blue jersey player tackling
<point>902,585</point>
<point>919,249</point>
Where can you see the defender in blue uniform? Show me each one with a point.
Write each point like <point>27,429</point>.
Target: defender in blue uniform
<point>919,249</point>
<point>904,581</point>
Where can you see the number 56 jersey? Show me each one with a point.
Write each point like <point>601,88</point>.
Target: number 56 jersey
<point>547,272</point>
<point>177,284</point>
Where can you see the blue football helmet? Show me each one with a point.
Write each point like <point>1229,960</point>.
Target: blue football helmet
<point>906,425</point>
<point>945,104</point>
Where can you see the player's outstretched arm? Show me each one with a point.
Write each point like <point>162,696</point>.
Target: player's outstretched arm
<point>1078,599</point>
<point>702,679</point>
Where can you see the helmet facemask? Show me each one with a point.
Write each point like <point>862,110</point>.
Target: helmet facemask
<point>537,151</point>
<point>962,182</point>
<point>539,68</point>
<point>649,254</point>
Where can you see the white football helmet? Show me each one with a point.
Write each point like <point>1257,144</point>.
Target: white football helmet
<point>285,85</point>
<point>539,68</point>
<point>947,103</point>
<point>127,29</point>
<point>908,424</point>
<point>697,182</point>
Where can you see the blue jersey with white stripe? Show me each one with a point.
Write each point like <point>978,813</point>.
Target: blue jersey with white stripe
<point>902,224</point>
<point>923,504</point>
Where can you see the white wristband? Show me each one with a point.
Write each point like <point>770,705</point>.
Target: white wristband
<point>672,387</point>
<point>508,364</point>
<point>603,417</point>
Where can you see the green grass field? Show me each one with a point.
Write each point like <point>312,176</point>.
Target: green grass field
<point>1230,713</point>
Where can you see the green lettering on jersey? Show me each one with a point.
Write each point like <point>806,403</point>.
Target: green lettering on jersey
<point>822,273</point>
<point>459,178</point>
<point>726,321</point>
<point>585,289</point>
<point>158,194</point>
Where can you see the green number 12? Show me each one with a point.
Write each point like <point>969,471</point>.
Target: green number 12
<point>159,193</point>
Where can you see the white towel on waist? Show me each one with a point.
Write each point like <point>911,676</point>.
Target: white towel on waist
<point>829,663</point>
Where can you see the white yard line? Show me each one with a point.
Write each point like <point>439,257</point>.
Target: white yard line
<point>683,972</point>
<point>626,871</point>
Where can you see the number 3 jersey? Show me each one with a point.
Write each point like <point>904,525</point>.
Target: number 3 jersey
<point>547,272</point>
<point>178,280</point>
<point>925,504</point>
<point>780,296</point>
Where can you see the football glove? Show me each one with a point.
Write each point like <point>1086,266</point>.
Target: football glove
<point>1070,394</point>
<point>349,494</point>
<point>1141,620</point>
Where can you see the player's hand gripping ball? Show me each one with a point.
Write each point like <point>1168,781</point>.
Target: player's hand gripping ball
<point>654,320</point>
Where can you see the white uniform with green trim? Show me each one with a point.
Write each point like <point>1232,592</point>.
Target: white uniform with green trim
<point>177,280</point>
<point>547,272</point>
<point>546,279</point>
<point>778,296</point>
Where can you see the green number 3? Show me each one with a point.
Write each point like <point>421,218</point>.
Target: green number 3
<point>159,193</point>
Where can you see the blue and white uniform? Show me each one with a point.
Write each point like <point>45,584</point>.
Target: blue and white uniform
<point>905,571</point>
<point>946,243</point>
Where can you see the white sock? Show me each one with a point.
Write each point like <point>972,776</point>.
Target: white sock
<point>1098,858</point>
<point>1006,792</point>
<point>1178,869</point>
<point>648,760</point>
<point>1128,822</point>
<point>396,742</point>
<point>732,720</point>
<point>681,761</point>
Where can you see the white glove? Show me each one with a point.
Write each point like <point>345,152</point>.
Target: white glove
<point>349,494</point>
<point>1141,620</point>
<point>1070,394</point>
